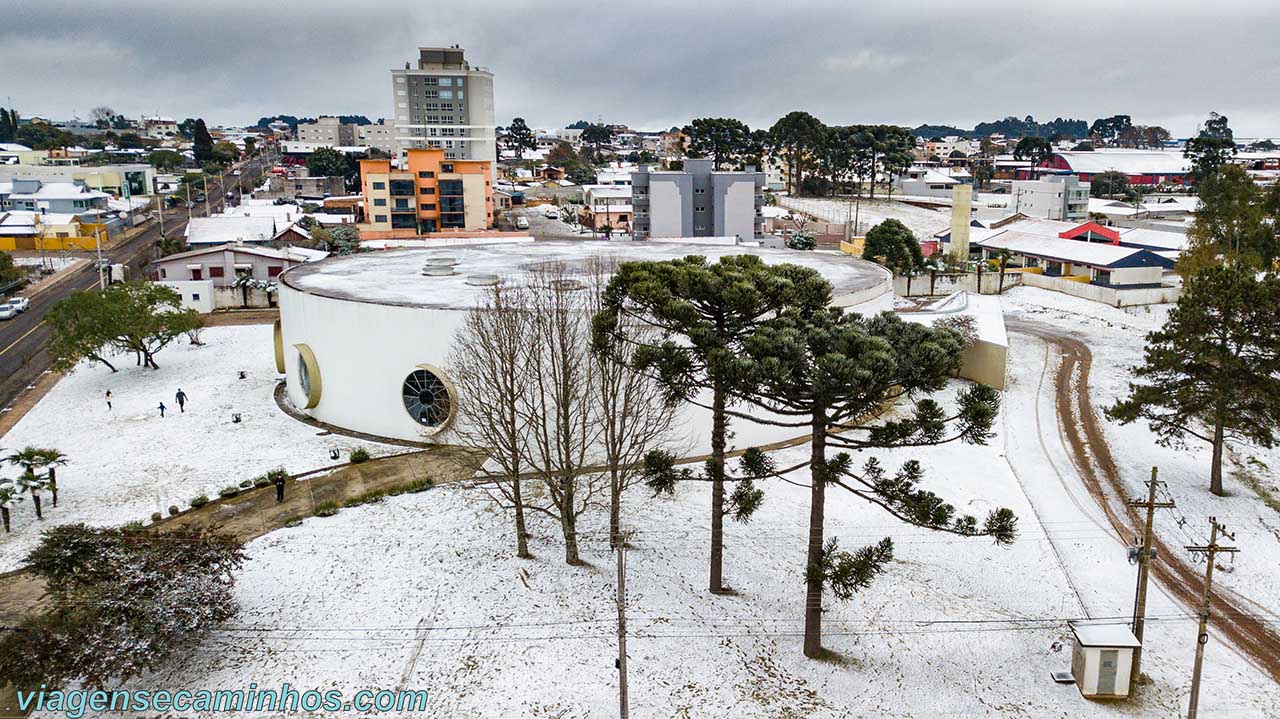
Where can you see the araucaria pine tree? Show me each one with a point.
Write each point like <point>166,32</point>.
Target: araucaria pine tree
<point>702,311</point>
<point>1213,371</point>
<point>837,375</point>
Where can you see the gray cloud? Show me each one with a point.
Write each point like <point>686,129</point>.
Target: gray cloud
<point>660,63</point>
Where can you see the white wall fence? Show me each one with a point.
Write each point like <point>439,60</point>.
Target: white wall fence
<point>1106,295</point>
<point>939,284</point>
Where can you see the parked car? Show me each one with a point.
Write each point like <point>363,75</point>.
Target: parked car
<point>19,304</point>
<point>551,212</point>
<point>200,197</point>
<point>7,312</point>
<point>522,223</point>
<point>235,173</point>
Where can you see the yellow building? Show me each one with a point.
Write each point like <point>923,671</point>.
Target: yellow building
<point>29,231</point>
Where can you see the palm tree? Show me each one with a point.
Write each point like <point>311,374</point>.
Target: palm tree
<point>52,458</point>
<point>9,495</point>
<point>32,460</point>
<point>1004,256</point>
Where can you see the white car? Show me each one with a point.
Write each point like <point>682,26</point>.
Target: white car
<point>7,312</point>
<point>19,304</point>
<point>522,223</point>
<point>551,212</point>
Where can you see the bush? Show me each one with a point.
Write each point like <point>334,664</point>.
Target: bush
<point>326,509</point>
<point>173,510</point>
<point>132,527</point>
<point>246,484</point>
<point>273,474</point>
<point>358,455</point>
<point>199,501</point>
<point>293,521</point>
<point>262,481</point>
<point>156,516</point>
<point>226,492</point>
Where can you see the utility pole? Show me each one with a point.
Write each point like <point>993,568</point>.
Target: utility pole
<point>1145,552</point>
<point>1202,637</point>
<point>204,177</point>
<point>621,549</point>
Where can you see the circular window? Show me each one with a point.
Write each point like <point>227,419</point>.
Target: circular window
<point>308,375</point>
<point>428,398</point>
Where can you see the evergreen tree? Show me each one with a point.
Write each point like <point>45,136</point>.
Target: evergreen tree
<point>1212,148</point>
<point>519,138</point>
<point>1235,221</point>
<point>723,139</point>
<point>1213,371</point>
<point>838,375</point>
<point>795,139</point>
<point>893,245</point>
<point>118,603</point>
<point>201,143</point>
<point>1109,184</point>
<point>704,312</point>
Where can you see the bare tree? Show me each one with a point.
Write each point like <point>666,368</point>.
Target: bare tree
<point>635,415</point>
<point>488,362</point>
<point>560,405</point>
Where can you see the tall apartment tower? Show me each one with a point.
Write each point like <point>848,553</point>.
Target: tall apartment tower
<point>445,103</point>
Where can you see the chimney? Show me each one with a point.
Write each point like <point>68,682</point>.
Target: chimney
<point>961,210</point>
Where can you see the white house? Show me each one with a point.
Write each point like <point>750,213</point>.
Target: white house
<point>228,275</point>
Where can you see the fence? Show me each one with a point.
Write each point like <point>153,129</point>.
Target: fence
<point>937,284</point>
<point>1107,295</point>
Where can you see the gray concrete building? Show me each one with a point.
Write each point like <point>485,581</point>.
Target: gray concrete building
<point>697,202</point>
<point>327,131</point>
<point>445,103</point>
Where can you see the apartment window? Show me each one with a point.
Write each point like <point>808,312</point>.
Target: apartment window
<point>431,81</point>
<point>699,228</point>
<point>215,272</point>
<point>700,191</point>
<point>400,79</point>
<point>426,174</point>
<point>163,274</point>
<point>404,222</point>
<point>452,188</point>
<point>195,296</point>
<point>447,167</point>
<point>401,204</point>
<point>380,201</point>
<point>428,206</point>
<point>379,218</point>
<point>274,270</point>
<point>197,274</point>
<point>402,188</point>
<point>446,81</point>
<point>446,94</point>
<point>699,209</point>
<point>379,185</point>
<point>402,93</point>
<point>431,93</point>
<point>427,190</point>
<point>460,96</point>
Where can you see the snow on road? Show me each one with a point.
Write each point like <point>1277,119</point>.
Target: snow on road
<point>423,591</point>
<point>127,462</point>
<point>1117,338</point>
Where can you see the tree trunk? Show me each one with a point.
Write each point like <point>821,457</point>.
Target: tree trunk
<point>522,535</point>
<point>1215,476</point>
<point>615,507</point>
<point>4,514</point>
<point>103,361</point>
<point>813,581</point>
<point>53,484</point>
<point>716,468</point>
<point>569,526</point>
<point>35,499</point>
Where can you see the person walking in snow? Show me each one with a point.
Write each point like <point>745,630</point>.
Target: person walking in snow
<point>108,399</point>
<point>181,398</point>
<point>162,408</point>
<point>279,482</point>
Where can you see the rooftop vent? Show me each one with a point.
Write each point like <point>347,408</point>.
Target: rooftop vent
<point>483,280</point>
<point>434,271</point>
<point>565,285</point>
<point>441,261</point>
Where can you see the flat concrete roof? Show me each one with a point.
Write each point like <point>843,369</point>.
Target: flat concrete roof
<point>394,277</point>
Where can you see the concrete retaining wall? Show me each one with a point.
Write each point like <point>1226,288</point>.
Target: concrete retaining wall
<point>1106,295</point>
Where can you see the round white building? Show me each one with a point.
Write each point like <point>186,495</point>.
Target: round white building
<point>363,340</point>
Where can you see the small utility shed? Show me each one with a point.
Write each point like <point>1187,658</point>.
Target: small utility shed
<point>1102,659</point>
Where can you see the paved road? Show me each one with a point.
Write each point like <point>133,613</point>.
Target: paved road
<point>25,338</point>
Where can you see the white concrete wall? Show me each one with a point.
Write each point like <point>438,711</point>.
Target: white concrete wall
<point>197,295</point>
<point>740,209</point>
<point>666,211</point>
<point>1105,295</point>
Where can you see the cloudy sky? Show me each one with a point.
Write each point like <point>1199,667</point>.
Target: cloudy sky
<point>655,64</point>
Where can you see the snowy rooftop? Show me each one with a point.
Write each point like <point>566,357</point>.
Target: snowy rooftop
<point>223,230</point>
<point>1104,635</point>
<point>1130,162</point>
<point>394,277</point>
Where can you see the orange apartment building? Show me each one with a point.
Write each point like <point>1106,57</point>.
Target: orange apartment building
<point>429,194</point>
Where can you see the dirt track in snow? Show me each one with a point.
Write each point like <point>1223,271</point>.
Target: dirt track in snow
<point>1232,616</point>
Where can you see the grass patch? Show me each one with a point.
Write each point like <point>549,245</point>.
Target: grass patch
<point>359,455</point>
<point>227,492</point>
<point>293,521</point>
<point>200,501</point>
<point>326,509</point>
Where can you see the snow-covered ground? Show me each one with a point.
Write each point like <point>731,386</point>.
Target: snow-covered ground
<point>54,260</point>
<point>1117,338</point>
<point>424,592</point>
<point>921,221</point>
<point>127,462</point>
